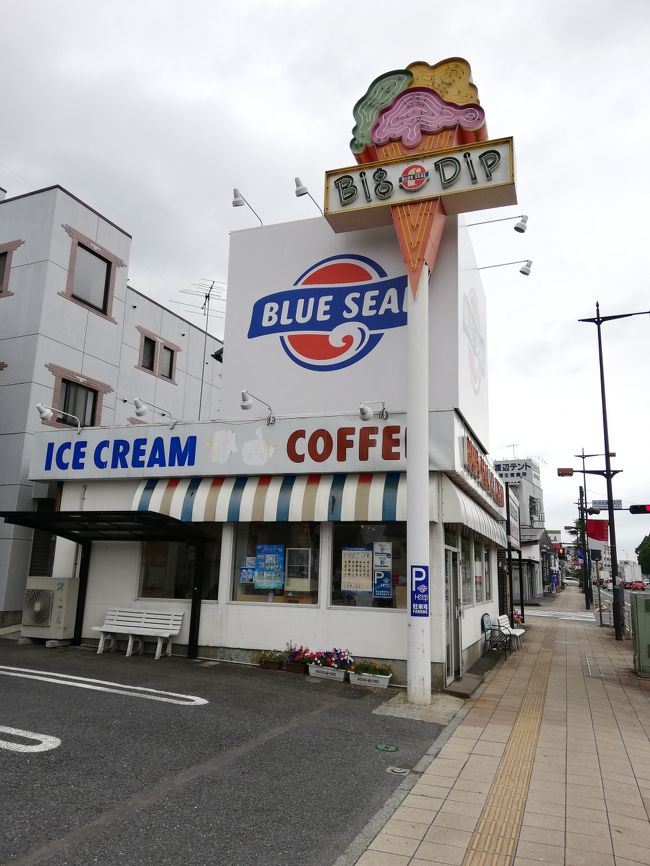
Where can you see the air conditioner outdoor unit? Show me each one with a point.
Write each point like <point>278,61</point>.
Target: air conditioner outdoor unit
<point>640,610</point>
<point>49,607</point>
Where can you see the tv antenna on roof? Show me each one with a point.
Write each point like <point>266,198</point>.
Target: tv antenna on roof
<point>513,445</point>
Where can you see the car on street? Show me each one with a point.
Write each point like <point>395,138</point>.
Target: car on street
<point>636,585</point>
<point>571,581</point>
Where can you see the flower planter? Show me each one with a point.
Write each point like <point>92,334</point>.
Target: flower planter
<point>271,665</point>
<point>327,673</point>
<point>372,681</point>
<point>294,667</point>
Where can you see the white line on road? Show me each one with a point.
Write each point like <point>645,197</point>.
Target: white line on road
<point>103,686</point>
<point>42,743</point>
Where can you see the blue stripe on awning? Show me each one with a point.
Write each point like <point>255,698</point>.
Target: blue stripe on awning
<point>188,501</point>
<point>336,497</point>
<point>235,498</point>
<point>284,497</point>
<point>389,504</point>
<point>147,493</point>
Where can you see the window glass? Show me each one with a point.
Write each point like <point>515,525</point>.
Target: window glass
<point>276,562</point>
<point>3,265</point>
<point>451,536</point>
<point>167,362</point>
<point>90,281</point>
<point>167,568</point>
<point>488,576</point>
<point>466,571</point>
<point>148,353</point>
<point>478,572</point>
<point>369,565</point>
<point>79,401</point>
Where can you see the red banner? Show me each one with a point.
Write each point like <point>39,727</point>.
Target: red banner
<point>598,530</point>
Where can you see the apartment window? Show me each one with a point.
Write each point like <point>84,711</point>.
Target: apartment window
<point>91,278</point>
<point>167,362</point>
<point>79,401</point>
<point>6,252</point>
<point>91,274</point>
<point>149,354</point>
<point>158,356</point>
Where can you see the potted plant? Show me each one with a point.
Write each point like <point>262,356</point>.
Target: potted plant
<point>329,664</point>
<point>271,659</point>
<point>294,659</point>
<point>370,674</point>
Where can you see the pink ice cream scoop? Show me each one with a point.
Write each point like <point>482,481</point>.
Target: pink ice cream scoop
<point>419,110</point>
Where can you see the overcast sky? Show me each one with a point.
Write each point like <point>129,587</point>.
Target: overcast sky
<point>151,112</point>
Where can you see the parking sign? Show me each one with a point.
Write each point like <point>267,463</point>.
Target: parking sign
<point>419,589</point>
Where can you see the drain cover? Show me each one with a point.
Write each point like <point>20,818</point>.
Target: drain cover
<point>398,771</point>
<point>386,747</point>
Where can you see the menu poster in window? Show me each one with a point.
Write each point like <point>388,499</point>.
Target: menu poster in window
<point>298,577</point>
<point>382,554</point>
<point>246,575</point>
<point>269,566</point>
<point>356,569</point>
<point>382,585</point>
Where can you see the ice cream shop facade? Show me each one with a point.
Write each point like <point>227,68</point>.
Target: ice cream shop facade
<point>287,519</point>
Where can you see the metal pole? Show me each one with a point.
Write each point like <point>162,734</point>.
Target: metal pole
<point>618,592</point>
<point>600,604</point>
<point>583,542</point>
<point>418,669</point>
<point>589,595</point>
<point>206,304</point>
<point>521,586</point>
<point>510,590</point>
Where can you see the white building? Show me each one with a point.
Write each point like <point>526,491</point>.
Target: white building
<point>286,522</point>
<point>74,336</point>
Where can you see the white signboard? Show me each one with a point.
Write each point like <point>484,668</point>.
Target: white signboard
<point>472,177</point>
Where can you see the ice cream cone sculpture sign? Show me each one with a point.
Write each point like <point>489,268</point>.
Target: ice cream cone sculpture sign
<point>421,145</point>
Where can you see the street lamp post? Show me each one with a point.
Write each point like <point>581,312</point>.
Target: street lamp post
<point>618,591</point>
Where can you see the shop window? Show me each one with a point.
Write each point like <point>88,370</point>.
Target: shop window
<point>79,401</point>
<point>466,571</point>
<point>369,565</point>
<point>479,577</point>
<point>91,278</point>
<point>167,568</point>
<point>488,576</point>
<point>276,562</point>
<point>451,536</point>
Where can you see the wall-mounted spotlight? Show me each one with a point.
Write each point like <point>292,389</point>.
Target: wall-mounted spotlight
<point>301,190</point>
<point>218,355</point>
<point>238,200</point>
<point>48,412</point>
<point>520,227</point>
<point>247,403</point>
<point>141,409</point>
<point>525,269</point>
<point>366,413</point>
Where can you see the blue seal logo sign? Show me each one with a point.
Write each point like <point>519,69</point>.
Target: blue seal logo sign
<point>336,313</point>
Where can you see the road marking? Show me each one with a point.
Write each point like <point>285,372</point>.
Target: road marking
<point>43,743</point>
<point>103,686</point>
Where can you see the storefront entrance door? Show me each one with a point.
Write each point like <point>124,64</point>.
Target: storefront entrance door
<point>454,612</point>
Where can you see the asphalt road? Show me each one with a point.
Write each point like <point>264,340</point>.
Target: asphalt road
<point>275,769</point>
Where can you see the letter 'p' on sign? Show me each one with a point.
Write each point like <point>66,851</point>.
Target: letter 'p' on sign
<point>419,587</point>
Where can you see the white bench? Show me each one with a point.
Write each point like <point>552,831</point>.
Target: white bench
<point>139,623</point>
<point>517,632</point>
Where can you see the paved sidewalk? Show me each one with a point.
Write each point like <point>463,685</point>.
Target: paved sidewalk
<point>551,763</point>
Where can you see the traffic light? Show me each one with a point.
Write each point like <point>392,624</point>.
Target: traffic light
<point>639,509</point>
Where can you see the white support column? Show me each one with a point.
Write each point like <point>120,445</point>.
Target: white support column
<point>417,485</point>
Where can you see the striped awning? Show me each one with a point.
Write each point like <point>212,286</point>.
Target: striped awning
<point>458,507</point>
<point>376,496</point>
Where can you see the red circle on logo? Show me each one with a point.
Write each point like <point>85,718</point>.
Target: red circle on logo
<point>413,177</point>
